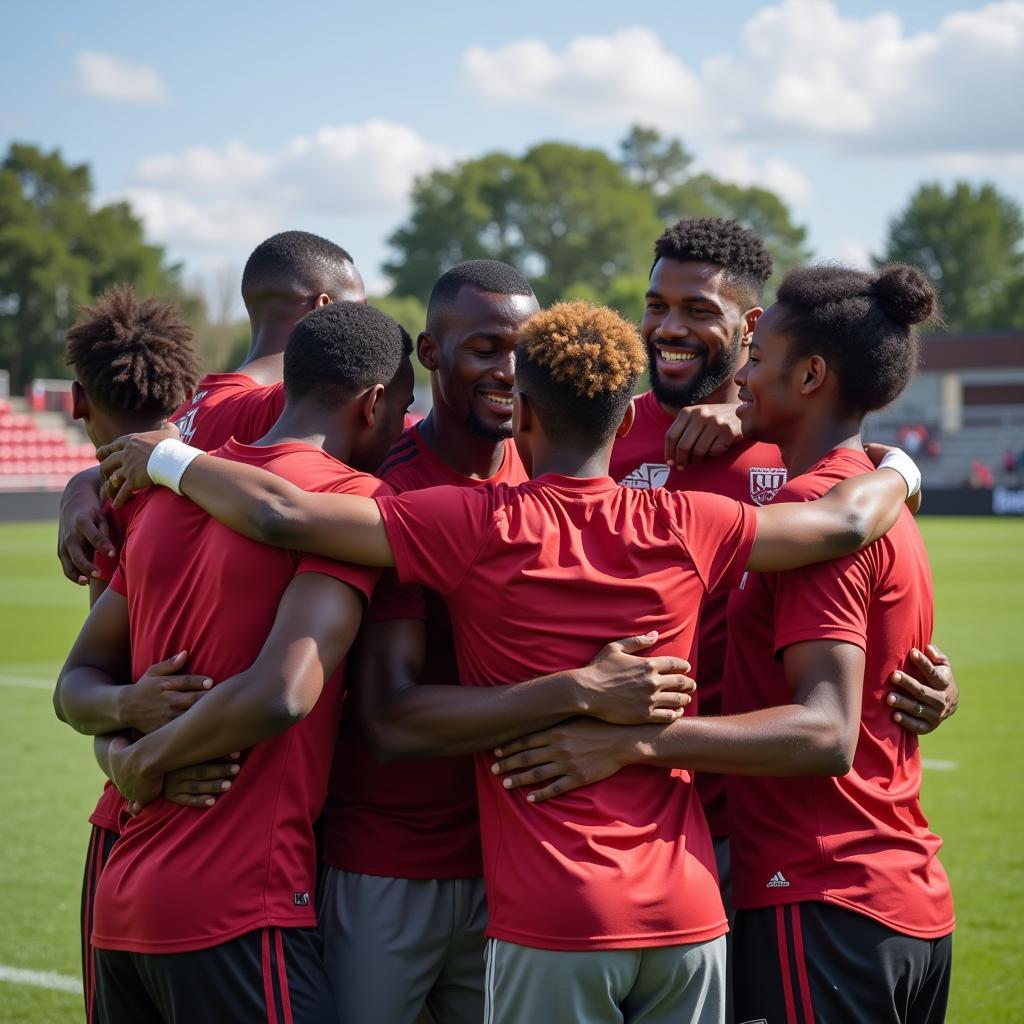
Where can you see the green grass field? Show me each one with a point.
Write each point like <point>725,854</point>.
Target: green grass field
<point>972,786</point>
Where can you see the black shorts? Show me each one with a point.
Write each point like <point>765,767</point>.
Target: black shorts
<point>817,963</point>
<point>273,976</point>
<point>101,842</point>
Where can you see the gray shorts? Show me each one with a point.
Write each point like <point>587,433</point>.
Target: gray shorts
<point>395,947</point>
<point>657,985</point>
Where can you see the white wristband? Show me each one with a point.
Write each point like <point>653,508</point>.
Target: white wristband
<point>904,465</point>
<point>168,462</point>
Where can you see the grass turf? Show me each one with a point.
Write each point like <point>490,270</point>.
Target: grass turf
<point>972,791</point>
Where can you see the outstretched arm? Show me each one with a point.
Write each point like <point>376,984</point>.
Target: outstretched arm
<point>255,503</point>
<point>406,718</point>
<point>852,515</point>
<point>816,734</point>
<point>316,622</point>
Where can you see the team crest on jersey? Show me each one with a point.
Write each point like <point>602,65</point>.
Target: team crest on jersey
<point>646,476</point>
<point>765,483</point>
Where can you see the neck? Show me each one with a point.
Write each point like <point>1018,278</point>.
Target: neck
<point>128,424</point>
<point>815,438</point>
<point>300,425</point>
<point>567,462</point>
<point>264,362</point>
<point>458,448</point>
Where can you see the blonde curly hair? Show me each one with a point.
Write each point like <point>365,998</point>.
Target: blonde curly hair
<point>589,347</point>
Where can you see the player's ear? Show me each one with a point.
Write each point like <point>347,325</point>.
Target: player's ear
<point>814,373</point>
<point>368,402</point>
<point>323,299</point>
<point>627,420</point>
<point>427,351</point>
<point>79,402</point>
<point>750,319</point>
<point>522,413</point>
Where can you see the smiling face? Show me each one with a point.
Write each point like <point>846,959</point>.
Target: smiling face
<point>770,397</point>
<point>472,350</point>
<point>694,328</point>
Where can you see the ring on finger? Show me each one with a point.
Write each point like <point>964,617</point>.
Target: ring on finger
<point>919,710</point>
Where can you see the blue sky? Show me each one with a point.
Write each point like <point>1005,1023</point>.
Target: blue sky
<point>223,122</point>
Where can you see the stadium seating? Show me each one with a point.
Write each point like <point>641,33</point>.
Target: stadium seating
<point>33,457</point>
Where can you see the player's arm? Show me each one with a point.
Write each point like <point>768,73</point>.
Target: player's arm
<point>816,734</point>
<point>253,502</point>
<point>406,718</point>
<point>852,515</point>
<point>316,622</point>
<point>89,695</point>
<point>82,528</point>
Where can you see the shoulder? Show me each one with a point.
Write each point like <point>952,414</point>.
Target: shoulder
<point>403,467</point>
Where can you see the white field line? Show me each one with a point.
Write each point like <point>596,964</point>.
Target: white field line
<point>27,682</point>
<point>936,765</point>
<point>42,979</point>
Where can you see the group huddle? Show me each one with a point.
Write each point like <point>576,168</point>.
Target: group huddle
<point>679,781</point>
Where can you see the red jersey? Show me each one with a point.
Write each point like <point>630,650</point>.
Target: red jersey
<point>182,878</point>
<point>860,841</point>
<point>537,579</point>
<point>750,472</point>
<point>108,809</point>
<point>409,819</point>
<point>227,405</point>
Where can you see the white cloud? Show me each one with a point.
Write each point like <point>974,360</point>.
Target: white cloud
<point>106,77</point>
<point>801,71</point>
<point>211,197</point>
<point>597,78</point>
<point>737,163</point>
<point>855,252</point>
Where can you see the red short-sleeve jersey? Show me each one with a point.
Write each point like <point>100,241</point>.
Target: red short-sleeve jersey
<point>182,878</point>
<point>412,819</point>
<point>108,808</point>
<point>227,405</point>
<point>860,840</point>
<point>537,578</point>
<point>750,472</point>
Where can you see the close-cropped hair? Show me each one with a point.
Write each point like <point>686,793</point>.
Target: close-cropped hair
<point>490,276</point>
<point>861,324</point>
<point>294,262</point>
<point>339,350</point>
<point>723,243</point>
<point>578,364</point>
<point>133,355</point>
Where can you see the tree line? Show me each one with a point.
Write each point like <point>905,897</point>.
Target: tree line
<point>577,221</point>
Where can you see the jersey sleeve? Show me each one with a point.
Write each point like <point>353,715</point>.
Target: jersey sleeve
<point>716,532</point>
<point>827,601</point>
<point>363,577</point>
<point>395,600</point>
<point>437,533</point>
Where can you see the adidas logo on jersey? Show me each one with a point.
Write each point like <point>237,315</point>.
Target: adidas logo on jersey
<point>646,476</point>
<point>778,881</point>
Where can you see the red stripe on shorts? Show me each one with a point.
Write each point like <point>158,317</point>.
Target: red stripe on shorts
<point>282,977</point>
<point>801,963</point>
<point>787,984</point>
<point>268,978</point>
<point>89,964</point>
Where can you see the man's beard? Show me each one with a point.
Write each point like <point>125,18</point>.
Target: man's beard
<point>478,428</point>
<point>718,372</point>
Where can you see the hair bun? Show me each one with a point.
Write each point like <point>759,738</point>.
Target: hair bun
<point>905,294</point>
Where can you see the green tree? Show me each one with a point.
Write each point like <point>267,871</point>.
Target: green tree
<point>969,242</point>
<point>560,213</point>
<point>56,251</point>
<point>663,167</point>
